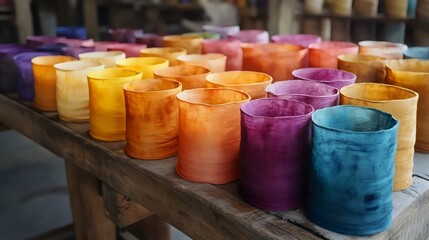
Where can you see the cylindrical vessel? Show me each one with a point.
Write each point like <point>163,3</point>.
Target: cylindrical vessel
<point>318,95</point>
<point>102,45</point>
<point>107,104</point>
<point>273,171</point>
<point>25,79</point>
<point>125,35</point>
<point>341,7</point>
<point>421,53</point>
<point>413,74</point>
<point>9,72</point>
<point>333,77</point>
<point>395,8</point>
<point>216,62</point>
<point>253,83</point>
<point>324,54</point>
<point>191,76</point>
<point>146,65</point>
<point>169,53</point>
<point>71,32</point>
<point>192,44</point>
<point>35,41</point>
<point>151,40</point>
<point>75,51</point>
<point>45,81</point>
<point>58,48</point>
<point>231,48</point>
<point>109,59</point>
<point>130,49</point>
<point>366,67</point>
<point>402,104</point>
<point>252,36</point>
<point>204,35</point>
<point>386,50</point>
<point>303,40</point>
<point>351,171</point>
<point>366,8</point>
<point>72,89</point>
<point>209,134</point>
<point>224,31</point>
<point>152,113</point>
<point>275,59</point>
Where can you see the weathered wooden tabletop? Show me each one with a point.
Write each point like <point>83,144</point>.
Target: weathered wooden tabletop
<point>202,211</point>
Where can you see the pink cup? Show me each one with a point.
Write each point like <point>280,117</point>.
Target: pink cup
<point>130,49</point>
<point>231,48</point>
<point>325,54</point>
<point>298,39</point>
<point>332,77</point>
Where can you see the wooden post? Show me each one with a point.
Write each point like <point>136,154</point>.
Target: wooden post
<point>24,19</point>
<point>87,206</point>
<point>90,12</point>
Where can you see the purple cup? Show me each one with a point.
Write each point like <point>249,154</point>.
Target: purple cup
<point>298,39</point>
<point>8,70</point>
<point>231,48</point>
<point>330,76</point>
<point>275,153</point>
<point>252,36</point>
<point>223,30</point>
<point>151,40</point>
<point>125,35</point>
<point>26,78</point>
<point>318,95</point>
<point>75,51</point>
<point>35,41</point>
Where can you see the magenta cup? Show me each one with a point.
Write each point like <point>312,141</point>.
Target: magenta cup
<point>231,48</point>
<point>125,35</point>
<point>8,71</point>
<point>223,30</point>
<point>275,153</point>
<point>325,54</point>
<point>35,41</point>
<point>151,40</point>
<point>130,49</point>
<point>252,36</point>
<point>318,95</point>
<point>332,77</point>
<point>298,39</point>
<point>26,79</point>
<point>102,45</point>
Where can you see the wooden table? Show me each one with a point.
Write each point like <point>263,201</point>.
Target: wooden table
<point>202,211</point>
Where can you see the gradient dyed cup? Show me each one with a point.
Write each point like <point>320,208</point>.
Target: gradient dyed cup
<point>102,45</point>
<point>192,44</point>
<point>9,73</point>
<point>413,74</point>
<point>303,40</point>
<point>106,102</point>
<point>318,95</point>
<point>253,83</point>
<point>150,39</point>
<point>72,89</point>
<point>352,169</point>
<point>108,58</point>
<point>191,76</point>
<point>402,104</point>
<point>421,53</point>
<point>216,62</point>
<point>325,54</point>
<point>45,81</point>
<point>152,113</point>
<point>125,35</point>
<point>25,80</point>
<point>333,77</point>
<point>275,59</point>
<point>130,49</point>
<point>223,30</point>
<point>169,53</point>
<point>387,50</point>
<point>231,48</point>
<point>209,129</point>
<point>367,68</point>
<point>274,165</point>
<point>146,65</point>
<point>251,36</point>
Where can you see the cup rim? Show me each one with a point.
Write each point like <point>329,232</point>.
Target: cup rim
<point>304,115</point>
<point>345,88</point>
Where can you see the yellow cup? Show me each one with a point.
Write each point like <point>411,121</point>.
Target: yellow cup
<point>216,62</point>
<point>107,104</point>
<point>169,53</point>
<point>190,76</point>
<point>108,58</point>
<point>45,81</point>
<point>72,89</point>
<point>192,44</point>
<point>146,65</point>
<point>366,67</point>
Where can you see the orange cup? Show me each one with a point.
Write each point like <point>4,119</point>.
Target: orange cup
<point>45,81</point>
<point>325,54</point>
<point>152,111</point>
<point>192,44</point>
<point>169,53</point>
<point>216,62</point>
<point>190,76</point>
<point>146,65</point>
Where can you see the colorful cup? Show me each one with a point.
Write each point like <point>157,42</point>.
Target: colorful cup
<point>325,54</point>
<point>231,48</point>
<point>366,67</point>
<point>386,50</point>
<point>130,49</point>
<point>108,58</point>
<point>252,36</point>
<point>169,53</point>
<point>146,65</point>
<point>303,40</point>
<point>333,77</point>
<point>421,53</point>
<point>216,62</point>
<point>191,76</point>
<point>192,44</point>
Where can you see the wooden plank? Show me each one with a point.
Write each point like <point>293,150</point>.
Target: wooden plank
<point>421,165</point>
<point>121,210</point>
<point>89,219</point>
<point>202,211</point>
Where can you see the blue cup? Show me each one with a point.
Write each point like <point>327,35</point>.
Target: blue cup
<point>421,53</point>
<point>352,168</point>
<point>72,32</point>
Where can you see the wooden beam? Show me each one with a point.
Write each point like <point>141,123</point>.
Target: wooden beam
<point>90,13</point>
<point>24,19</point>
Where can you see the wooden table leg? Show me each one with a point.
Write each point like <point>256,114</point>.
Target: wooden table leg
<point>90,221</point>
